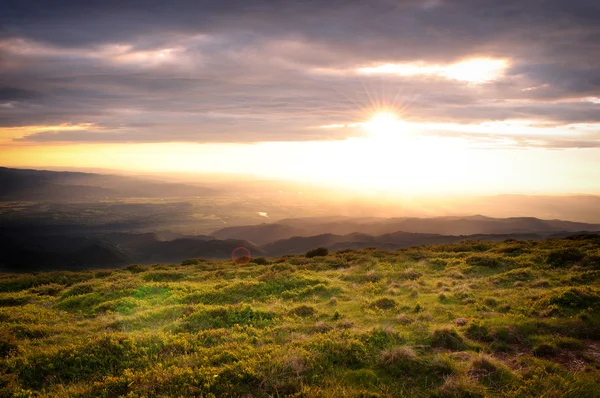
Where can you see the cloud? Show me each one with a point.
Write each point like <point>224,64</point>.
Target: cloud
<point>229,71</point>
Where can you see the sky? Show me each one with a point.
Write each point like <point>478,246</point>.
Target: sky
<point>429,96</point>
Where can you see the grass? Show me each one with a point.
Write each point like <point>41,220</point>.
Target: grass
<point>472,319</point>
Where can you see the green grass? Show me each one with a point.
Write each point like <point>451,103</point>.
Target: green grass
<point>472,319</point>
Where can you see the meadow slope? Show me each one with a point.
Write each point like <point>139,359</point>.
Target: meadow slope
<point>469,319</point>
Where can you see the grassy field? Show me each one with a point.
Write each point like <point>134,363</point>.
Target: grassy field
<point>474,319</point>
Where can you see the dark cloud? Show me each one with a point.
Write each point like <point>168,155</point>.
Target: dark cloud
<point>16,94</point>
<point>249,71</point>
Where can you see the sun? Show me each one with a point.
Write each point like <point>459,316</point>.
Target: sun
<point>383,124</point>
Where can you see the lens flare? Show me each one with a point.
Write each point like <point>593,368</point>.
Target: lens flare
<point>241,256</point>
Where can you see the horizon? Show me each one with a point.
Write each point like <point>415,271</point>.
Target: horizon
<point>199,178</point>
<point>418,99</point>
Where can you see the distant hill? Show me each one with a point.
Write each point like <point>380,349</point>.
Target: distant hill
<point>259,234</point>
<point>28,253</point>
<point>34,253</point>
<point>393,241</point>
<point>306,227</point>
<point>35,256</point>
<point>39,185</point>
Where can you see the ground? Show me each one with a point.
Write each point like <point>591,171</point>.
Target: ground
<point>514,319</point>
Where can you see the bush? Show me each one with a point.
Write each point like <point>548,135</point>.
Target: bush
<point>50,289</point>
<point>564,257</point>
<point>575,298</point>
<point>226,317</point>
<point>478,331</point>
<point>483,261</point>
<point>303,311</point>
<point>384,303</point>
<point>338,349</point>
<point>260,261</point>
<point>77,290</point>
<point>194,261</point>
<point>318,252</point>
<point>545,350</point>
<point>163,276</point>
<point>8,343</point>
<point>410,274</point>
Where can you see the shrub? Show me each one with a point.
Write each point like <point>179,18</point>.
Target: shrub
<point>570,344</point>
<point>338,348</point>
<point>194,261</point>
<point>545,350</point>
<point>564,257</point>
<point>575,298</point>
<point>318,252</point>
<point>483,261</point>
<point>260,261</point>
<point>478,331</point>
<point>50,289</point>
<point>163,276</point>
<point>404,319</point>
<point>8,342</point>
<point>136,268</point>
<point>224,317</point>
<point>80,303</point>
<point>512,276</point>
<point>122,306</point>
<point>593,260</point>
<point>410,274</point>
<point>13,301</point>
<point>303,311</point>
<point>384,303</point>
<point>490,302</point>
<point>82,288</point>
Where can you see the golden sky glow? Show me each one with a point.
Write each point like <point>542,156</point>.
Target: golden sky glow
<point>391,154</point>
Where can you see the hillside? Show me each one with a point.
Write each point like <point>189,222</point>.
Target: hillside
<point>28,250</point>
<point>469,225</point>
<point>56,252</point>
<point>467,319</point>
<point>23,184</point>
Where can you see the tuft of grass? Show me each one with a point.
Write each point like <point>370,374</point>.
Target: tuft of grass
<point>400,361</point>
<point>384,303</point>
<point>491,372</point>
<point>456,386</point>
<point>478,331</point>
<point>447,337</point>
<point>303,311</point>
<point>481,260</point>
<point>545,350</point>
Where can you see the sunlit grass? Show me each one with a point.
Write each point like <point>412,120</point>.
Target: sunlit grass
<point>466,319</point>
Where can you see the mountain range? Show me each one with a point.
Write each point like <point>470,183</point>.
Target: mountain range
<point>28,251</point>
